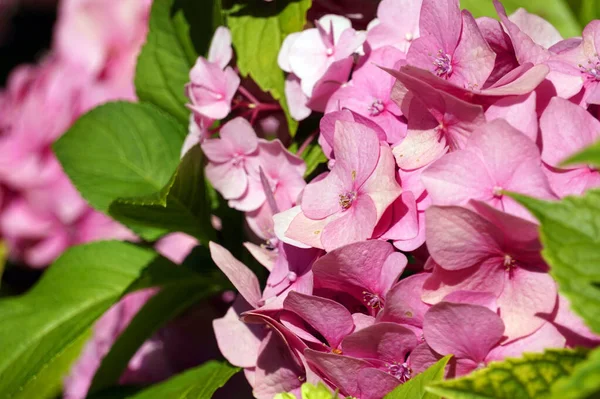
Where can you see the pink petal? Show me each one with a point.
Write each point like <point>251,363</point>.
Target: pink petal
<point>228,179</point>
<point>389,342</point>
<point>335,76</point>
<point>322,198</point>
<point>403,304</point>
<point>356,150</point>
<point>381,186</point>
<point>340,370</point>
<point>518,111</point>
<point>537,28</point>
<point>423,357</point>
<point>239,274</point>
<point>458,238</point>
<point>544,338</point>
<point>526,293</point>
<point>276,370</point>
<point>329,318</point>
<point>359,265</point>
<point>566,129</point>
<point>404,218</point>
<point>307,232</point>
<point>375,384</point>
<point>473,57</point>
<point>238,342</point>
<point>296,99</point>
<point>467,331</point>
<point>441,19</point>
<point>355,224</point>
<point>240,135</point>
<point>485,299</point>
<point>220,51</point>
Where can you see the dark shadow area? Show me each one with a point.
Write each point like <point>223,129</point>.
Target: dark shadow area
<point>256,8</point>
<point>28,38</point>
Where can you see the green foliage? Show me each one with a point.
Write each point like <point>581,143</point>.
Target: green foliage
<point>557,12</point>
<point>182,205</point>
<point>415,387</point>
<point>197,383</point>
<point>258,30</point>
<point>310,391</point>
<point>313,156</point>
<point>184,288</point>
<point>589,155</point>
<point>569,234</point>
<point>585,10</point>
<point>121,150</point>
<point>42,331</point>
<point>530,377</point>
<point>583,382</point>
<point>179,31</point>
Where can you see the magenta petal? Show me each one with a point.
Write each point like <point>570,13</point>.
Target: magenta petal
<point>518,111</point>
<point>322,198</point>
<point>239,274</point>
<point>389,342</point>
<point>375,384</point>
<point>328,317</point>
<point>276,369</point>
<point>403,304</point>
<point>340,370</point>
<point>357,265</point>
<point>423,357</point>
<point>466,331</point>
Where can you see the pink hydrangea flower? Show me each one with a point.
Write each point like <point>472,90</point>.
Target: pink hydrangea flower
<point>567,129</point>
<point>308,54</point>
<point>483,170</point>
<point>490,251</point>
<point>451,45</point>
<point>213,83</point>
<point>345,206</point>
<point>369,91</point>
<point>397,24</point>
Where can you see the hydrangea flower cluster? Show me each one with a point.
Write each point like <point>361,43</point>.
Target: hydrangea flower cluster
<point>92,61</point>
<point>407,248</point>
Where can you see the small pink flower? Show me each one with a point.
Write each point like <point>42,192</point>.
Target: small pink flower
<point>213,83</point>
<point>397,25</point>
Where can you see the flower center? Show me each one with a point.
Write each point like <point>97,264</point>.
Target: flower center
<point>329,51</point>
<point>408,37</point>
<point>347,199</point>
<point>591,70</point>
<point>509,263</point>
<point>372,300</point>
<point>376,107</point>
<point>400,371</point>
<point>443,64</point>
<point>292,276</point>
<point>497,191</point>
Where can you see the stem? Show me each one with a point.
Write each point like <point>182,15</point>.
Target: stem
<point>248,95</point>
<point>306,142</point>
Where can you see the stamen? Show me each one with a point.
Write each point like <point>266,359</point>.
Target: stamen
<point>497,191</point>
<point>372,300</point>
<point>443,64</point>
<point>592,70</point>
<point>347,199</point>
<point>376,108</point>
<point>402,372</point>
<point>292,276</point>
<point>509,262</point>
<point>408,37</point>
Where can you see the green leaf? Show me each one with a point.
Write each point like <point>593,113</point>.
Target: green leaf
<point>184,289</point>
<point>529,377</point>
<point>179,31</point>
<point>583,382</point>
<point>42,331</point>
<point>557,12</point>
<point>589,155</point>
<point>258,30</point>
<point>313,156</point>
<point>570,236</point>
<point>310,391</point>
<point>182,205</point>
<point>198,383</point>
<point>415,387</point>
<point>121,150</point>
